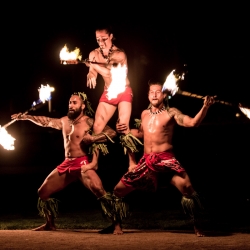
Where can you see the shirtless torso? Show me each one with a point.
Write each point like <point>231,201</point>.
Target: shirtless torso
<point>156,130</point>
<point>75,130</point>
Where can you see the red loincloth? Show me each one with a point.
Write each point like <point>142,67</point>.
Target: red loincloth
<point>126,96</point>
<point>145,175</point>
<point>72,165</point>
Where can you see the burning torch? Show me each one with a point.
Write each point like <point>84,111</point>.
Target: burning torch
<point>73,57</point>
<point>6,140</point>
<point>170,85</point>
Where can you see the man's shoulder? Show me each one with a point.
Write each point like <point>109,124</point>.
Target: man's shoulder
<point>118,51</point>
<point>144,112</point>
<point>88,120</point>
<point>94,51</point>
<point>173,109</point>
<point>63,118</point>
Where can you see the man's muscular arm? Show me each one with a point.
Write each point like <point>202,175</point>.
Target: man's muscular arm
<point>119,57</point>
<point>92,75</point>
<point>187,121</point>
<point>138,133</point>
<point>88,139</point>
<point>42,121</point>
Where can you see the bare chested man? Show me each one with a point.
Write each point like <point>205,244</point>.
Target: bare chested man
<point>108,56</point>
<point>75,129</point>
<point>156,130</point>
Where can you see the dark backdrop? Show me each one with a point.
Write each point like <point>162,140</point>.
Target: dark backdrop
<point>211,40</point>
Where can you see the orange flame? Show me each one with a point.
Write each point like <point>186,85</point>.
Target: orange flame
<point>6,140</point>
<point>118,84</point>
<point>171,83</point>
<point>245,111</point>
<point>45,92</point>
<point>65,55</point>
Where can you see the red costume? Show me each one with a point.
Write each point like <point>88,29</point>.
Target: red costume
<point>126,96</point>
<point>145,175</point>
<point>72,165</point>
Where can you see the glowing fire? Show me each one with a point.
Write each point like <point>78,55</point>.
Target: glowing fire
<point>118,84</point>
<point>45,92</point>
<point>70,57</point>
<point>6,140</point>
<point>245,111</point>
<point>170,83</point>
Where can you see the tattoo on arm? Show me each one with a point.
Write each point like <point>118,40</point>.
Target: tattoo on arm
<point>45,121</point>
<point>90,122</point>
<point>179,118</point>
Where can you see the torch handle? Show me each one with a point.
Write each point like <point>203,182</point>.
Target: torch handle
<point>185,93</point>
<point>93,62</point>
<point>11,122</point>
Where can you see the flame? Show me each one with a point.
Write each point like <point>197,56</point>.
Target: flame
<point>45,93</point>
<point>118,84</point>
<point>6,140</point>
<point>65,55</point>
<point>170,83</point>
<point>245,111</point>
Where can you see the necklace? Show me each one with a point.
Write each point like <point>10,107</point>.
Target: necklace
<point>72,123</point>
<point>157,112</point>
<point>108,56</point>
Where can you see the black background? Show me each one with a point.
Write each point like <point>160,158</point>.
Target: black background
<point>210,39</point>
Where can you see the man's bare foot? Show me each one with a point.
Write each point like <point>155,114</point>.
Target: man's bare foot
<point>117,230</point>
<point>112,229</point>
<point>45,227</point>
<point>107,230</point>
<point>198,232</point>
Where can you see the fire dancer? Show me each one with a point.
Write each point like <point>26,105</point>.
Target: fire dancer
<point>75,129</point>
<point>156,129</point>
<point>102,61</point>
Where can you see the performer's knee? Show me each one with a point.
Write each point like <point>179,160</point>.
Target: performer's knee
<point>188,191</point>
<point>43,195</point>
<point>121,190</point>
<point>117,192</point>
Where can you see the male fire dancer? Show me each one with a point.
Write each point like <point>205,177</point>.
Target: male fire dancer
<point>104,58</point>
<point>156,129</point>
<point>75,129</point>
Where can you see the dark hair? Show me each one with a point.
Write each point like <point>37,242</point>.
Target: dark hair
<point>88,110</point>
<point>154,82</point>
<point>108,28</point>
<point>157,82</point>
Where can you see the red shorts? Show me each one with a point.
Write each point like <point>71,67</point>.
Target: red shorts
<point>145,175</point>
<point>72,165</point>
<point>126,96</point>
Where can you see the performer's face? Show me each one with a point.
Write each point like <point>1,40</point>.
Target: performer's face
<point>103,39</point>
<point>75,107</point>
<point>155,95</point>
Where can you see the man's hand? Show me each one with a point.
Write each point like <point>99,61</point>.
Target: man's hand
<point>93,165</point>
<point>18,116</point>
<point>208,101</point>
<point>121,128</point>
<point>91,80</point>
<point>88,139</point>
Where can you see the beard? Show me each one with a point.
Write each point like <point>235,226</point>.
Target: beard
<point>74,114</point>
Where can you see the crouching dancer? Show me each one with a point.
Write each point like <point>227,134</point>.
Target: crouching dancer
<point>156,130</point>
<point>75,129</point>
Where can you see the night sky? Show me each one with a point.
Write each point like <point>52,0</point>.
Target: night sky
<point>212,40</point>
